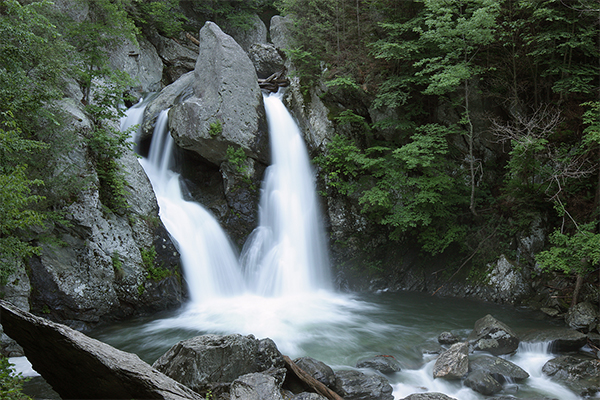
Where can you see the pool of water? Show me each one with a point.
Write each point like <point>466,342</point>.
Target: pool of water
<point>340,329</point>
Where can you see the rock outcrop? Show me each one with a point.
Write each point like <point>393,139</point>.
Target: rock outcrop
<point>226,108</point>
<point>77,366</point>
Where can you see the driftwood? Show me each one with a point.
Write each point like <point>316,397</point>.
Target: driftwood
<point>314,384</point>
<point>192,39</point>
<point>273,82</point>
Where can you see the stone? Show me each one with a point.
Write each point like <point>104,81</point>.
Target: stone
<point>255,386</point>
<point>355,385</point>
<point>502,370</point>
<point>447,338</point>
<point>482,382</point>
<point>581,374</point>
<point>383,364</point>
<point>214,359</point>
<point>280,31</point>
<point>77,366</point>
<point>225,92</point>
<point>452,363</point>
<point>308,396</point>
<point>317,369</point>
<point>254,32</point>
<point>582,316</point>
<point>266,59</point>
<point>561,339</point>
<point>177,58</point>
<point>493,336</point>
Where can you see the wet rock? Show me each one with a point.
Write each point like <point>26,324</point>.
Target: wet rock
<point>482,382</point>
<point>308,396</point>
<point>383,364</point>
<point>582,316</point>
<point>561,339</point>
<point>502,370</point>
<point>140,61</point>
<point>255,386</point>
<point>453,363</point>
<point>213,359</point>
<point>226,108</point>
<point>428,396</point>
<point>79,367</point>
<point>493,336</point>
<point>355,385</point>
<point>16,291</point>
<point>317,369</point>
<point>581,374</point>
<point>447,338</point>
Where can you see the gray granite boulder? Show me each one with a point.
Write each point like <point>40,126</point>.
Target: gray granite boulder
<point>502,370</point>
<point>493,336</point>
<point>355,385</point>
<point>226,108</point>
<point>255,386</point>
<point>482,382</point>
<point>384,364</point>
<point>317,369</point>
<point>559,339</point>
<point>452,363</point>
<point>582,316</point>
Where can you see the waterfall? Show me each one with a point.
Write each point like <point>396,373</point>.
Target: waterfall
<point>287,252</point>
<point>209,261</point>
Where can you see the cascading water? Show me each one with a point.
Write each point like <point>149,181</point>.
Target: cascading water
<point>287,252</point>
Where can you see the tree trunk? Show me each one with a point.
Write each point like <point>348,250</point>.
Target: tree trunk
<point>578,284</point>
<point>317,386</point>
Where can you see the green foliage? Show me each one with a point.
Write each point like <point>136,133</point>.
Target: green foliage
<point>148,256</point>
<point>237,158</point>
<point>117,263</point>
<point>11,382</point>
<point>577,253</point>
<point>156,273</point>
<point>215,128</point>
<point>162,15</point>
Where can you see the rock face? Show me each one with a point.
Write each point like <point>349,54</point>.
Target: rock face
<point>99,271</point>
<point>84,368</point>
<point>140,61</point>
<point>493,336</point>
<point>211,359</point>
<point>453,363</point>
<point>266,59</point>
<point>226,108</point>
<point>354,385</point>
<point>507,283</point>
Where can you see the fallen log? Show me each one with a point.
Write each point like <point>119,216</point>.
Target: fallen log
<point>314,384</point>
<point>192,39</point>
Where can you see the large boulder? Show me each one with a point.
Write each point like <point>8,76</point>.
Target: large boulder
<point>141,61</point>
<point>355,385</point>
<point>578,372</point>
<point>493,336</point>
<point>179,56</point>
<point>428,396</point>
<point>502,370</point>
<point>79,367</point>
<point>226,108</point>
<point>452,363</point>
<point>482,382</point>
<point>253,31</point>
<point>203,361</point>
<point>266,59</point>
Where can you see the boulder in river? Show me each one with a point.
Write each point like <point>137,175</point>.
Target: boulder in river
<point>355,385</point>
<point>203,361</point>
<point>428,396</point>
<point>502,370</point>
<point>383,363</point>
<point>453,363</point>
<point>79,367</point>
<point>447,338</point>
<point>482,382</point>
<point>493,336</point>
<point>581,374</point>
<point>561,339</point>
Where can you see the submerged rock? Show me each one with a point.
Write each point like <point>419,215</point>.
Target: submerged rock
<point>428,396</point>
<point>355,385</point>
<point>493,336</point>
<point>453,363</point>
<point>447,338</point>
<point>79,367</point>
<point>482,382</point>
